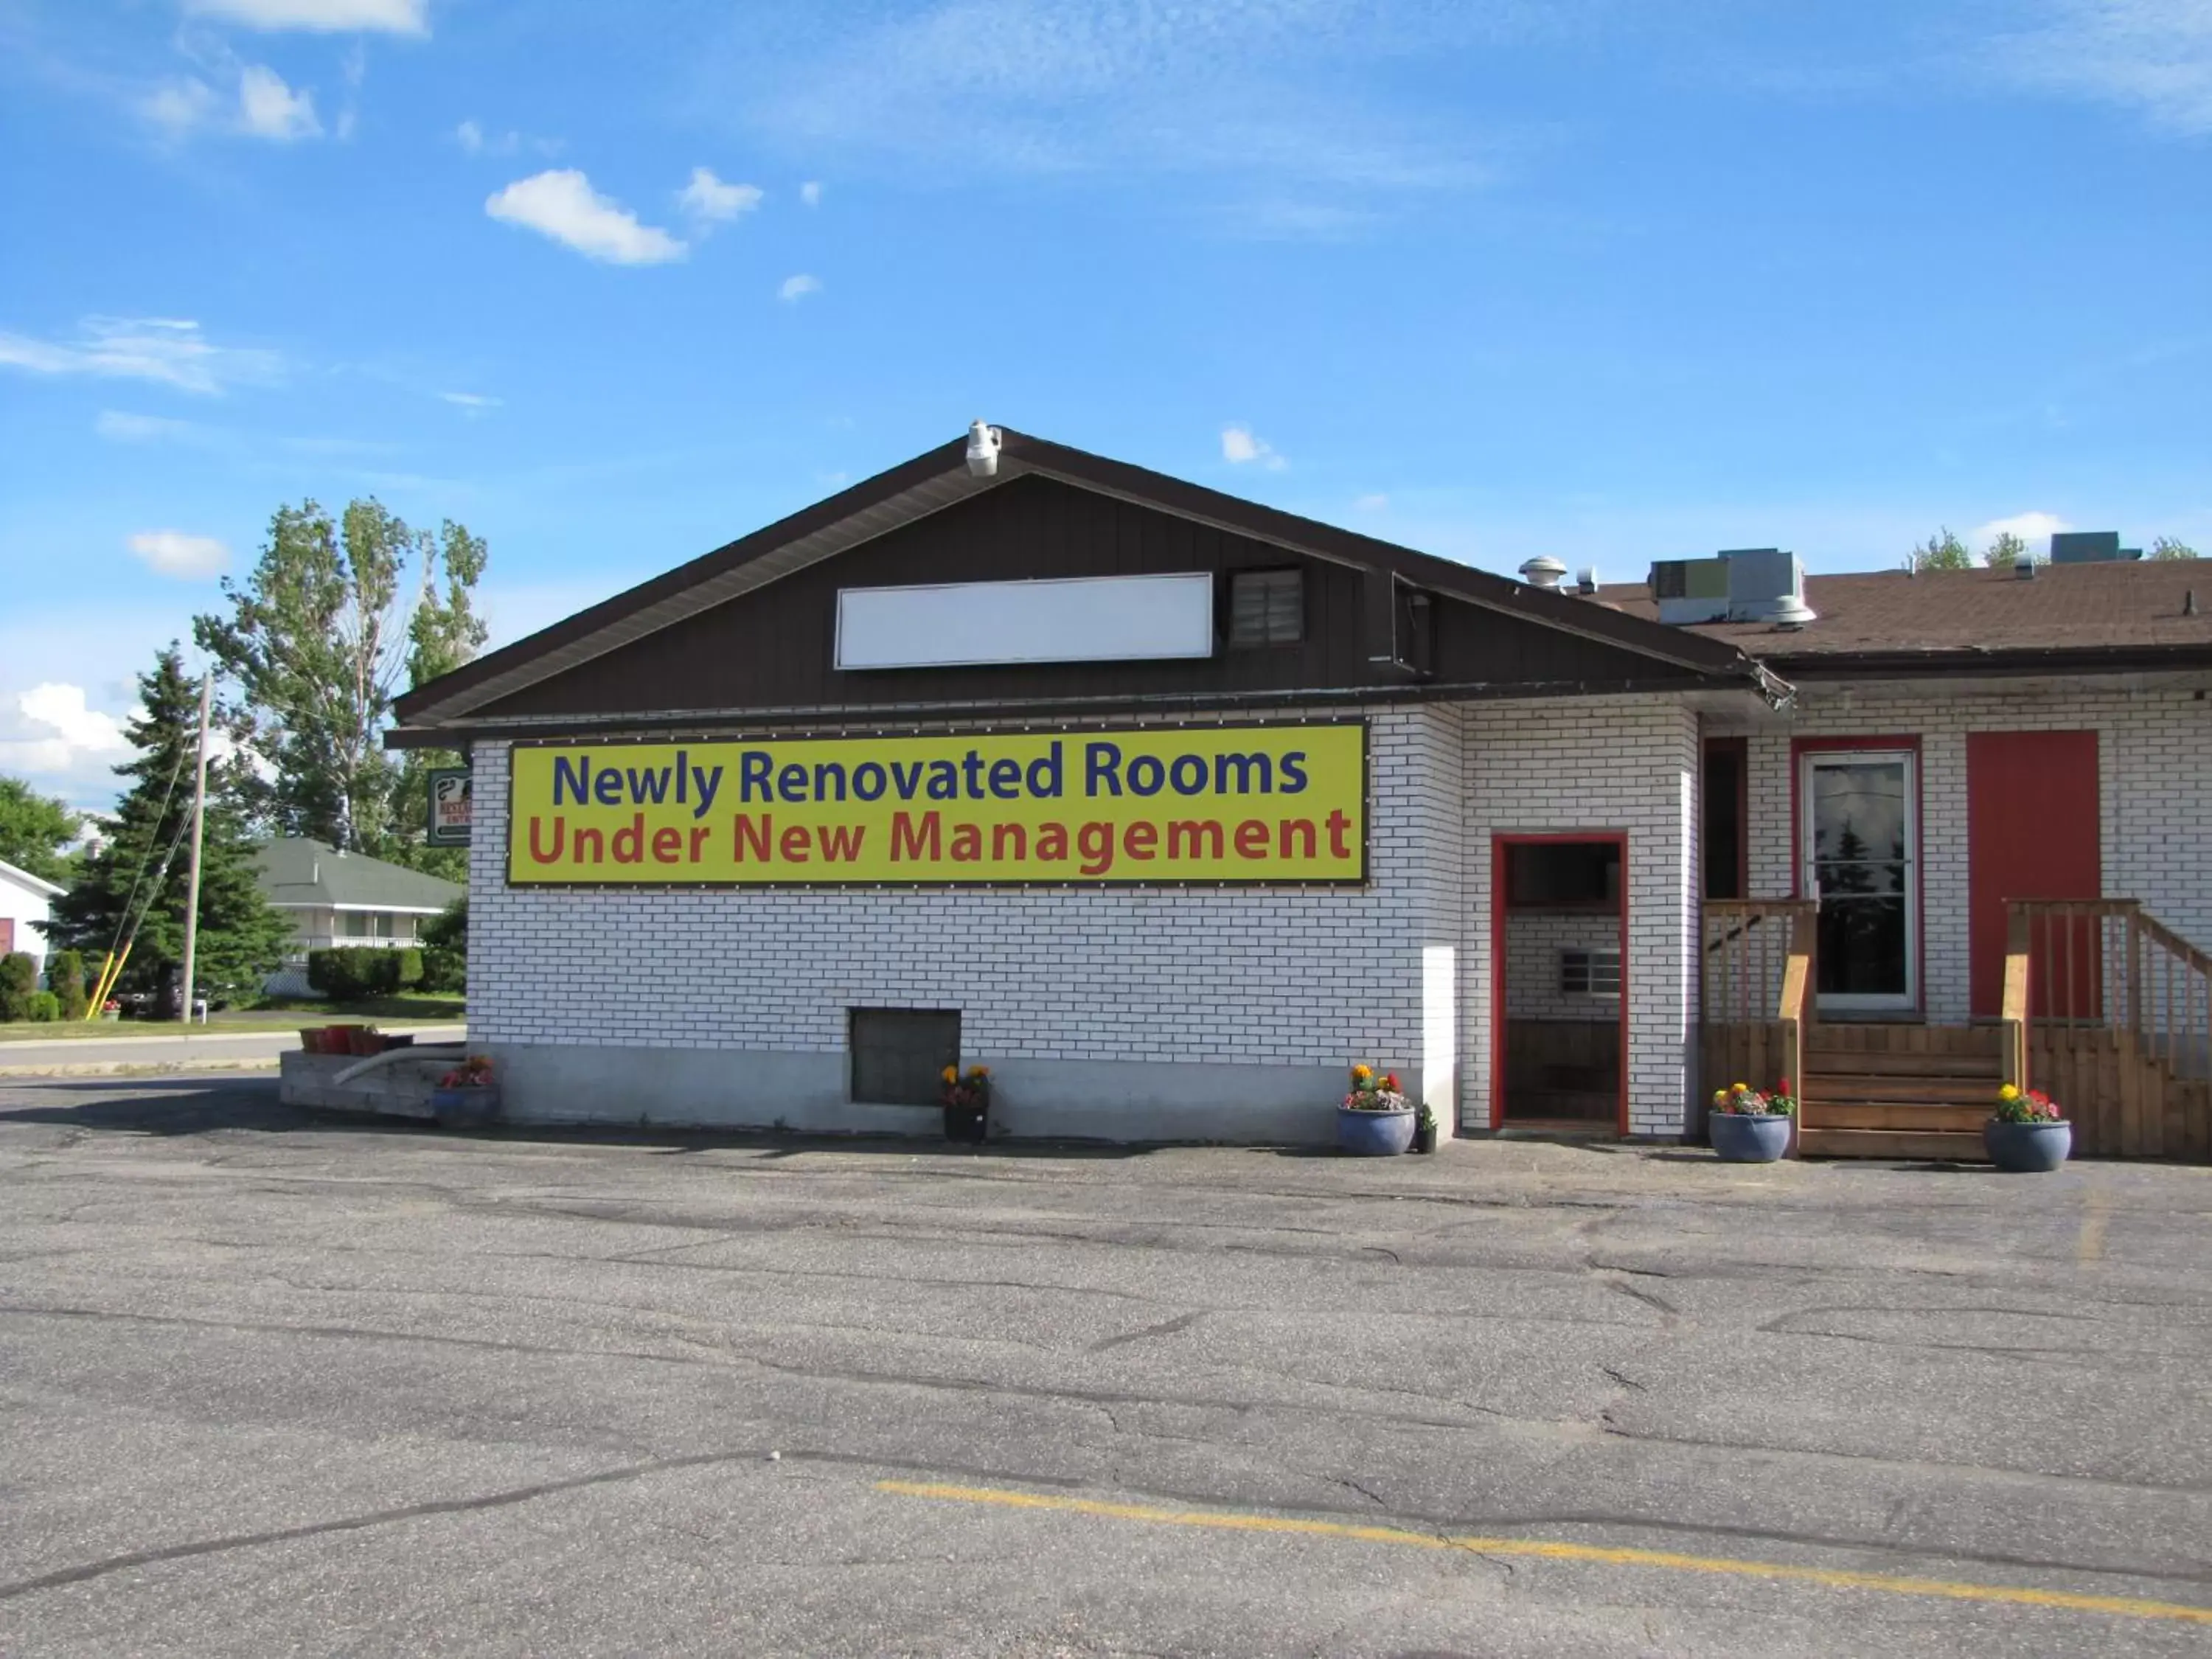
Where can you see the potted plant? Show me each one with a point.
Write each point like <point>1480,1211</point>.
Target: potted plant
<point>111,1009</point>
<point>466,1095</point>
<point>2027,1135</point>
<point>1424,1130</point>
<point>1375,1119</point>
<point>1748,1126</point>
<point>966,1099</point>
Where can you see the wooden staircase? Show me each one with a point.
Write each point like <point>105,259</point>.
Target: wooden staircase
<point>1903,1091</point>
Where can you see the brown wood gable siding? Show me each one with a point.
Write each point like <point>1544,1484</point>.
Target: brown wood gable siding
<point>772,650</point>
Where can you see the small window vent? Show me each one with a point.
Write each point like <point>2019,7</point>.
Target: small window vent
<point>899,1053</point>
<point>1589,973</point>
<point>1267,607</point>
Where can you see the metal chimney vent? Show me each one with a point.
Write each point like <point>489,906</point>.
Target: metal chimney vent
<point>1543,571</point>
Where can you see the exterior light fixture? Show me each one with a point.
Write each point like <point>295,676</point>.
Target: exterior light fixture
<point>982,450</point>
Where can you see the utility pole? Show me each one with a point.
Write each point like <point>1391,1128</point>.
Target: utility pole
<point>199,815</point>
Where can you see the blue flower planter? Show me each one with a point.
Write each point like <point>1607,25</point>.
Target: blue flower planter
<point>1374,1134</point>
<point>1740,1138</point>
<point>2028,1148</point>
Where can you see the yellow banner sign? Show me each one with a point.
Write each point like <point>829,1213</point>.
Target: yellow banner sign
<point>1279,805</point>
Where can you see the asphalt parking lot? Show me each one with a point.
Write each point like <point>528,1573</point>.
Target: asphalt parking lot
<point>283,1383</point>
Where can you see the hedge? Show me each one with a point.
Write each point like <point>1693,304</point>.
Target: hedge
<point>347,973</point>
<point>18,982</point>
<point>44,1007</point>
<point>65,979</point>
<point>445,971</point>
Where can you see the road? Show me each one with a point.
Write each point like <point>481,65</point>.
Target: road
<point>36,1056</point>
<point>277,1383</point>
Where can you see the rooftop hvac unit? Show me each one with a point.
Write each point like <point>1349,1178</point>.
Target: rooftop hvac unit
<point>2089,547</point>
<point>1747,585</point>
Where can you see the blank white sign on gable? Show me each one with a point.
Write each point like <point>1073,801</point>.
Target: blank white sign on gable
<point>1062,619</point>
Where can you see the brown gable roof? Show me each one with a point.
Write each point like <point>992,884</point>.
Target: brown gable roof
<point>2128,613</point>
<point>938,479</point>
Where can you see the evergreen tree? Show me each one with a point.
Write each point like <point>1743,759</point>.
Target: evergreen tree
<point>143,867</point>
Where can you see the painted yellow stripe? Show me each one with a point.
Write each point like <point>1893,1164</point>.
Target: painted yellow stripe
<point>2125,1607</point>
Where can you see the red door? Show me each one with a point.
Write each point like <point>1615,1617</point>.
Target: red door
<point>2031,833</point>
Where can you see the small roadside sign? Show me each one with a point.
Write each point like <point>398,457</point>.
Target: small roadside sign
<point>449,807</point>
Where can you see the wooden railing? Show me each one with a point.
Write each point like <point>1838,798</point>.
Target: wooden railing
<point>1755,986</point>
<point>2114,1019</point>
<point>1789,1014</point>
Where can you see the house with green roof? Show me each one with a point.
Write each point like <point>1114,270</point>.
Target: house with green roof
<point>336,897</point>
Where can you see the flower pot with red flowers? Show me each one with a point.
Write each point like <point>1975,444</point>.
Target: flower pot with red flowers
<point>1751,1126</point>
<point>966,1099</point>
<point>2028,1134</point>
<point>467,1097</point>
<point>1375,1119</point>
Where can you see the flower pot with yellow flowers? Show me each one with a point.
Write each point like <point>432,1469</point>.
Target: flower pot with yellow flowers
<point>2028,1134</point>
<point>1751,1126</point>
<point>966,1099</point>
<point>1375,1119</point>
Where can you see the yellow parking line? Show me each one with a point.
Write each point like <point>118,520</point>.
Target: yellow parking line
<point>2125,1607</point>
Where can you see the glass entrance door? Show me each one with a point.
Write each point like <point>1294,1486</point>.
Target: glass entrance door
<point>1861,859</point>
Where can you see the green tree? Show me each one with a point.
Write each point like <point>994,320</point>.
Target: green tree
<point>1942,551</point>
<point>443,633</point>
<point>2006,549</point>
<point>142,869</point>
<point>316,638</point>
<point>2171,547</point>
<point>33,830</point>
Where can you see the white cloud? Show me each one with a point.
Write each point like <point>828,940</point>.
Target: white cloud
<point>267,108</point>
<point>173,553</point>
<point>811,192</point>
<point>708,198</point>
<point>471,136</point>
<point>2155,56</point>
<point>794,289</point>
<point>177,106</point>
<point>561,203</point>
<point>2033,528</point>
<point>118,427</point>
<point>53,736</point>
<point>470,403</point>
<point>165,349</point>
<point>1376,502</point>
<point>1240,449</point>
<point>1333,103</point>
<point>321,16</point>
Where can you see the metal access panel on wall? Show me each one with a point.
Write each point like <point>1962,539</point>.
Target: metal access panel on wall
<point>1072,619</point>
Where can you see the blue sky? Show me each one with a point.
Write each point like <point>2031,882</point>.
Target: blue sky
<point>1613,280</point>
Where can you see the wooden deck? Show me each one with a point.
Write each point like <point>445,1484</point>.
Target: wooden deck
<point>2107,1009</point>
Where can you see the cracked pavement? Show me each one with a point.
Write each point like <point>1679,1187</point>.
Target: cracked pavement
<point>276,1382</point>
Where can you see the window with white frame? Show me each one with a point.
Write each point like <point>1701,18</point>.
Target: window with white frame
<point>1589,973</point>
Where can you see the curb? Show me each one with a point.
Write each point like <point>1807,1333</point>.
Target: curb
<point>139,1068</point>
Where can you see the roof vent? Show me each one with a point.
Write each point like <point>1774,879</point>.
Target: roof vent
<point>982,450</point>
<point>2024,566</point>
<point>1543,571</point>
<point>1586,581</point>
<point>2089,547</point>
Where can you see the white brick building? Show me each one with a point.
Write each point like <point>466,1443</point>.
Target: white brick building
<point>1520,936</point>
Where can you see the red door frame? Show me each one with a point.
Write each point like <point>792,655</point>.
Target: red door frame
<point>1500,903</point>
<point>1802,746</point>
